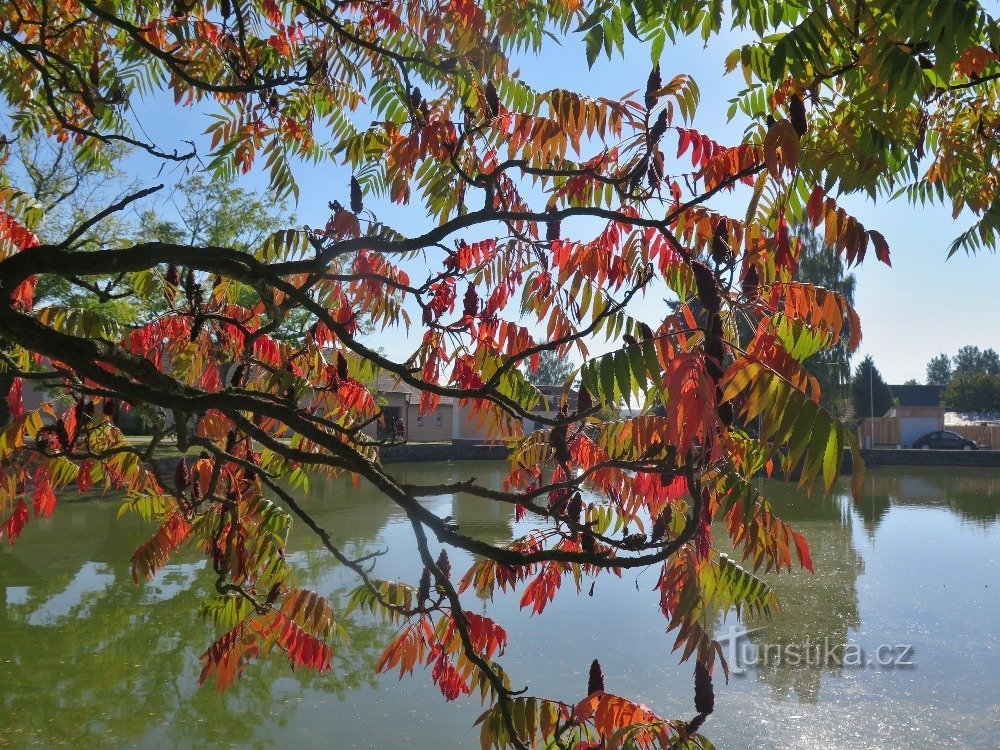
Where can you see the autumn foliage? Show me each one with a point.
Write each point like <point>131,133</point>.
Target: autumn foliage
<point>549,214</point>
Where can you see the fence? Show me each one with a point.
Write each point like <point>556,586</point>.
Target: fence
<point>988,435</point>
<point>879,432</point>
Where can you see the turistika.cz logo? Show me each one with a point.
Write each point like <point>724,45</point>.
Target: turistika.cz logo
<point>742,654</point>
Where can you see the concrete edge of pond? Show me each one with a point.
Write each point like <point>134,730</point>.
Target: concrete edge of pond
<point>469,451</point>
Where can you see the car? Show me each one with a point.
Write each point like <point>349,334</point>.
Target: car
<point>944,440</point>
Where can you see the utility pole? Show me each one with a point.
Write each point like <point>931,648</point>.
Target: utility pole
<point>871,405</point>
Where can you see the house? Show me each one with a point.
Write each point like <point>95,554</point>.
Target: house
<point>917,411</point>
<point>401,413</point>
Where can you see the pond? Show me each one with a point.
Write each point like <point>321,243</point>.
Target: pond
<point>92,660</point>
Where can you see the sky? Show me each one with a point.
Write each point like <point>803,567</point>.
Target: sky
<point>924,305</point>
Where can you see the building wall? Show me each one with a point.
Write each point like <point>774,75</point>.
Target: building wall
<point>433,427</point>
<point>466,429</point>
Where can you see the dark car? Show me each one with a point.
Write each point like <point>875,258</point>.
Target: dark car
<point>944,440</point>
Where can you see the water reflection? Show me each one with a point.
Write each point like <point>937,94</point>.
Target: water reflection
<point>93,660</point>
<point>821,608</point>
<point>972,493</point>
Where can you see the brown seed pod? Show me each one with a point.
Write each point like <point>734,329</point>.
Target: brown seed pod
<point>108,407</point>
<point>751,284</point>
<point>424,589</point>
<point>197,325</point>
<point>173,276</point>
<point>182,475</point>
<point>239,375</point>
<point>704,694</point>
<point>62,435</point>
<point>557,439</point>
<point>707,287</point>
<point>357,201</point>
<point>721,252</point>
<point>553,227</point>
<point>342,373</point>
<point>653,85</point>
<point>444,563</point>
<point>596,681</point>
<point>797,112</point>
<point>695,724</point>
<point>470,303</point>
<point>492,99</point>
<point>584,402</point>
<point>654,175</point>
<point>575,509</point>
<point>659,128</point>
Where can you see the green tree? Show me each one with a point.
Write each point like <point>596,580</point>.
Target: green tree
<point>553,369</point>
<point>939,370</point>
<point>970,359</point>
<point>870,395</point>
<point>974,391</point>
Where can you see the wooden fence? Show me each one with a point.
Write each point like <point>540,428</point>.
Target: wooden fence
<point>878,432</point>
<point>988,436</point>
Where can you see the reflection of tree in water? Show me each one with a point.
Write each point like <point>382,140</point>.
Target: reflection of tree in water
<point>93,660</point>
<point>96,660</point>
<point>974,494</point>
<point>818,608</point>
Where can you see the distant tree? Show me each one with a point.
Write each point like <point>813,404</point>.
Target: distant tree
<point>970,359</point>
<point>990,362</point>
<point>911,381</point>
<point>552,369</point>
<point>821,265</point>
<point>870,395</point>
<point>973,391</point>
<point>939,370</point>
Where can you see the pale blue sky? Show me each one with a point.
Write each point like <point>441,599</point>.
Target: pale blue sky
<point>924,305</point>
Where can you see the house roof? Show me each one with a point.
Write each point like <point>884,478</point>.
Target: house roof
<point>917,395</point>
<point>550,394</point>
<point>388,383</point>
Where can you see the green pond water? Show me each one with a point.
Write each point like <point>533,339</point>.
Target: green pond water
<point>90,660</point>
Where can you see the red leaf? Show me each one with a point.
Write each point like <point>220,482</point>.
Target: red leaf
<point>684,142</point>
<point>543,589</point>
<point>304,649</point>
<point>84,480</point>
<point>881,247</point>
<point>814,208</point>
<point>448,679</point>
<point>15,523</point>
<point>44,500</point>
<point>486,635</point>
<point>14,400</point>
<point>802,550</point>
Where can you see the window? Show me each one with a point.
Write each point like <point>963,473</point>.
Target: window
<point>440,418</point>
<point>420,420</point>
